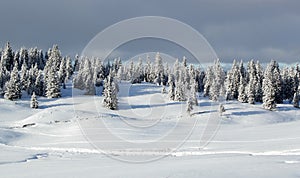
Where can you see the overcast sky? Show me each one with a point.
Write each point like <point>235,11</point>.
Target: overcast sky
<point>264,30</point>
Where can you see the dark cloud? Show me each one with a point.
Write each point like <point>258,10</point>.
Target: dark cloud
<point>257,29</point>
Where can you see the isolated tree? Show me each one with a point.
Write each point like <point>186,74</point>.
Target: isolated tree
<point>12,87</point>
<point>189,105</point>
<point>34,102</point>
<point>221,109</point>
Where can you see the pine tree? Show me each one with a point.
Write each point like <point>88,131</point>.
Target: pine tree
<point>110,92</point>
<point>217,81</point>
<point>189,105</point>
<point>232,82</point>
<point>221,109</point>
<point>12,87</point>
<point>180,89</point>
<point>4,76</point>
<point>208,80</point>
<point>159,69</point>
<point>163,90</point>
<point>7,57</point>
<point>250,89</point>
<point>258,86</point>
<point>194,92</point>
<point>33,102</point>
<point>242,91</point>
<point>62,73</point>
<point>52,84</point>
<point>269,91</point>
<point>171,84</point>
<point>39,84</point>
<point>296,100</point>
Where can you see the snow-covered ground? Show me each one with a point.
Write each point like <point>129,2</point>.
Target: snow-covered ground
<point>149,136</point>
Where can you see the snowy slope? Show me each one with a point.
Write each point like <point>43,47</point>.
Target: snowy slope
<point>148,136</point>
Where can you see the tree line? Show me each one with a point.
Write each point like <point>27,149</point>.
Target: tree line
<point>45,74</point>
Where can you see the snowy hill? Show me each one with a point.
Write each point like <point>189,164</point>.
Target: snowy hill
<point>76,136</point>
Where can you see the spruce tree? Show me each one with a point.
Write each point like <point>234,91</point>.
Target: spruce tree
<point>269,91</point>
<point>33,102</point>
<point>12,87</point>
<point>110,92</point>
<point>242,91</point>
<point>189,105</point>
<point>7,57</point>
<point>52,84</point>
<point>296,100</point>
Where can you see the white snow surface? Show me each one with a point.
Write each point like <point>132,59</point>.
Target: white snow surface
<point>149,136</point>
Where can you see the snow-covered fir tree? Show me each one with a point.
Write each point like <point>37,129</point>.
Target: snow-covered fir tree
<point>180,92</point>
<point>194,89</point>
<point>159,69</point>
<point>218,78</point>
<point>208,80</point>
<point>250,89</point>
<point>242,90</point>
<point>269,91</point>
<point>34,102</point>
<point>12,87</point>
<point>4,76</point>
<point>221,109</point>
<point>52,84</point>
<point>171,84</point>
<point>110,92</point>
<point>189,105</point>
<point>231,82</point>
<point>7,57</point>
<point>258,86</point>
<point>296,100</point>
<point>39,84</point>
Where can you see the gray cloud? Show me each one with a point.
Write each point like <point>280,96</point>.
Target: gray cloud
<point>257,29</point>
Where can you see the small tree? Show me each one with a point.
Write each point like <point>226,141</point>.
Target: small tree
<point>189,105</point>
<point>33,102</point>
<point>296,100</point>
<point>163,90</point>
<point>221,109</point>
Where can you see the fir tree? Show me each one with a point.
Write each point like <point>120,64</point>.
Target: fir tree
<point>33,102</point>
<point>242,91</point>
<point>221,109</point>
<point>269,91</point>
<point>12,87</point>
<point>52,84</point>
<point>110,92</point>
<point>296,100</point>
<point>7,57</point>
<point>189,105</point>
